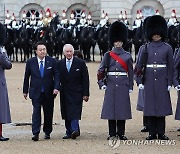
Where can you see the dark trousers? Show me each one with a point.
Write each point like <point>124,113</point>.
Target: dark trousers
<point>145,121</point>
<point>116,127</point>
<point>156,125</point>
<point>71,125</point>
<point>47,104</point>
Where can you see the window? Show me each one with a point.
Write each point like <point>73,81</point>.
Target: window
<point>147,11</point>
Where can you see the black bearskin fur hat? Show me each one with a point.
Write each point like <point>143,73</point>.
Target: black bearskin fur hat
<point>117,32</point>
<point>156,25</point>
<point>2,34</point>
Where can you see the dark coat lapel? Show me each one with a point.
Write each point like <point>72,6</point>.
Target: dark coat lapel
<point>36,66</point>
<point>46,65</point>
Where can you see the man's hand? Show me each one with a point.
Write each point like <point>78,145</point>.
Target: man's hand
<point>25,96</point>
<point>85,98</point>
<point>55,92</point>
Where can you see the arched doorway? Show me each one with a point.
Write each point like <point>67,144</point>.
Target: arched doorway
<point>148,8</point>
<point>78,9</point>
<point>31,9</point>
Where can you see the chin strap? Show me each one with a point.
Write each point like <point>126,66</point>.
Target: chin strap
<point>0,129</point>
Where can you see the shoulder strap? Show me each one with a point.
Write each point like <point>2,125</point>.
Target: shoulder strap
<point>120,60</point>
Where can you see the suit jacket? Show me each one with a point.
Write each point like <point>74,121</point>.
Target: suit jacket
<point>73,86</point>
<point>5,63</point>
<point>50,80</point>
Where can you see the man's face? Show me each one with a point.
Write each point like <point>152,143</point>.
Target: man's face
<point>68,52</point>
<point>118,44</point>
<point>156,37</point>
<point>41,51</point>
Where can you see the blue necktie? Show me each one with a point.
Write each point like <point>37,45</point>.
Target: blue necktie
<point>68,65</point>
<point>42,73</point>
<point>41,69</point>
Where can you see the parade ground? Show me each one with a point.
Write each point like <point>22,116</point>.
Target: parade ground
<point>94,131</point>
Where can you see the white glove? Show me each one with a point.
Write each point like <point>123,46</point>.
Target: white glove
<point>103,87</point>
<point>177,87</point>
<point>130,90</point>
<point>169,88</point>
<point>141,86</point>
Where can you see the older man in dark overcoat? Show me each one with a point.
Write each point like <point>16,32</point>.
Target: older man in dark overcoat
<point>158,77</point>
<point>74,88</point>
<point>5,64</point>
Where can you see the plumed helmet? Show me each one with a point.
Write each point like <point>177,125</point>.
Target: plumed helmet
<point>2,34</point>
<point>156,25</point>
<point>117,32</point>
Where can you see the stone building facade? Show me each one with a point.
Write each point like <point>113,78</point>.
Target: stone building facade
<point>96,7</point>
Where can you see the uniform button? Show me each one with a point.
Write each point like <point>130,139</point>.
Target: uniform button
<point>116,61</point>
<point>116,69</point>
<point>116,85</point>
<point>154,70</point>
<point>155,79</point>
<point>116,76</point>
<point>155,53</point>
<point>154,62</point>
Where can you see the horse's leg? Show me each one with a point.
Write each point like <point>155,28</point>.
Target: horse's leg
<point>16,52</point>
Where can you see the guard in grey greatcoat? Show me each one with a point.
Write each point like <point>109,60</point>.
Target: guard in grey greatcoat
<point>119,82</point>
<point>158,77</point>
<point>5,63</point>
<point>140,101</point>
<point>177,83</point>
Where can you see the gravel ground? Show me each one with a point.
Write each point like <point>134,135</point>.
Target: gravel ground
<point>94,131</point>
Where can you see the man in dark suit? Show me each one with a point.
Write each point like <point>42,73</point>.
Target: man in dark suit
<point>74,88</point>
<point>43,88</point>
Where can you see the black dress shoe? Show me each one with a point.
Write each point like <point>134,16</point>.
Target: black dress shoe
<point>35,138</point>
<point>178,129</point>
<point>3,138</point>
<point>122,137</point>
<point>74,134</point>
<point>66,137</point>
<point>110,137</point>
<point>145,129</point>
<point>151,137</point>
<point>47,136</point>
<point>163,137</point>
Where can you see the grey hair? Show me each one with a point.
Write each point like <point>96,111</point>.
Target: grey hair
<point>68,45</point>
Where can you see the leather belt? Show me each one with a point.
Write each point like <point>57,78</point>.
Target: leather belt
<point>116,73</point>
<point>156,65</point>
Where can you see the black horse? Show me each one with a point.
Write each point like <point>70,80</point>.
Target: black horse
<point>174,37</point>
<point>87,40</point>
<point>24,43</point>
<point>138,39</point>
<point>102,40</point>
<point>9,44</point>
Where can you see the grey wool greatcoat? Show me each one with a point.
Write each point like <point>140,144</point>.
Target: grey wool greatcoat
<point>5,63</point>
<point>157,100</point>
<point>176,83</point>
<point>116,105</point>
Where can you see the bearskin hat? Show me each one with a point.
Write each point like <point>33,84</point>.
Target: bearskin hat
<point>156,25</point>
<point>117,32</point>
<point>2,34</point>
<point>144,26</point>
